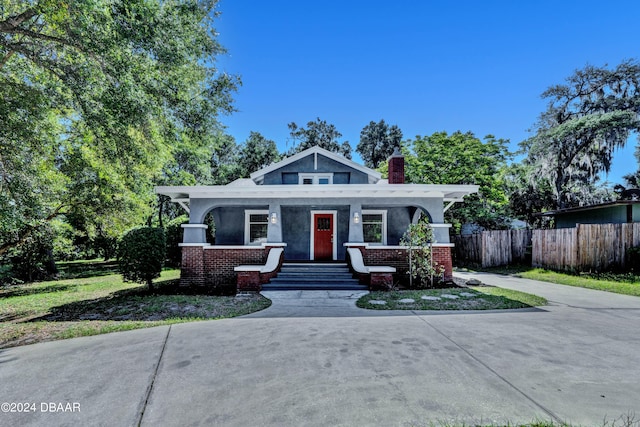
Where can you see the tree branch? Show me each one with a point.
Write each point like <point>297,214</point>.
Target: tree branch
<point>13,22</point>
<point>25,233</point>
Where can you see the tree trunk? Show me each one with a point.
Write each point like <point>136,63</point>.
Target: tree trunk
<point>50,265</point>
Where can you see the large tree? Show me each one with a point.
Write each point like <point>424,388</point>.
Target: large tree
<point>377,142</point>
<point>320,133</point>
<point>97,98</point>
<point>257,152</point>
<point>632,180</point>
<point>586,120</point>
<point>461,158</point>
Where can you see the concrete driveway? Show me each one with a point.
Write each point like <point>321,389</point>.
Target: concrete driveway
<point>314,359</point>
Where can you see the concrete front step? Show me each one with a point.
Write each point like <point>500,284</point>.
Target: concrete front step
<point>314,276</point>
<point>313,287</point>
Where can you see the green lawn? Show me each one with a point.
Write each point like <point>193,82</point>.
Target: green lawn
<point>69,308</point>
<point>474,298</point>
<point>627,284</point>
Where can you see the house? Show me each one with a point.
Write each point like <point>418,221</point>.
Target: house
<point>314,205</point>
<point>618,212</point>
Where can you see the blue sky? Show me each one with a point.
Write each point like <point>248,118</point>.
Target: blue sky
<point>425,66</point>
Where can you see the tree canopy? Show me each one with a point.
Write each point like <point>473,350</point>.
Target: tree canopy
<point>461,158</point>
<point>586,120</point>
<point>377,142</point>
<point>320,133</point>
<point>98,100</point>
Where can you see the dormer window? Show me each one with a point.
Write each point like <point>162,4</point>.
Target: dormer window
<point>315,178</point>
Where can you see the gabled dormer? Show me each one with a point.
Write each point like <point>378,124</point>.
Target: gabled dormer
<point>315,166</point>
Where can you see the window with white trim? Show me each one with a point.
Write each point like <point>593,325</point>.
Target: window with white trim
<point>256,223</point>
<point>374,227</point>
<point>315,178</point>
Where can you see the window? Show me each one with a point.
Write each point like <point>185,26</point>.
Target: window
<point>317,178</point>
<point>374,227</point>
<point>256,224</point>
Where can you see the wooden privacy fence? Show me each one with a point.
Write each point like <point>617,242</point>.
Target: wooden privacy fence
<point>493,248</point>
<point>588,247</point>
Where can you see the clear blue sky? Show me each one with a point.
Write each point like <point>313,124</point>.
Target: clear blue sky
<point>425,66</point>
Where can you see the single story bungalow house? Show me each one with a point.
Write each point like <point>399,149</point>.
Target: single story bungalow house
<point>314,205</point>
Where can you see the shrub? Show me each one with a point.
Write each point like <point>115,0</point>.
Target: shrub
<point>633,259</point>
<point>418,238</point>
<point>32,260</point>
<point>141,255</point>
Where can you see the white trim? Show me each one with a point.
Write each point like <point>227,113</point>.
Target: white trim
<point>315,178</point>
<point>224,247</point>
<point>439,225</point>
<point>333,236</point>
<point>433,245</point>
<point>205,226</point>
<point>448,193</point>
<point>446,208</point>
<point>190,245</point>
<point>183,203</point>
<point>384,224</point>
<point>247,224</point>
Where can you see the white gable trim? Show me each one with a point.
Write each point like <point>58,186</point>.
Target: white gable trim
<point>374,176</point>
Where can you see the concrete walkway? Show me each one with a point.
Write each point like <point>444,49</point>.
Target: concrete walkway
<point>314,359</point>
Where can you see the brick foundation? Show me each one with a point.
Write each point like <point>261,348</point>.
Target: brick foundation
<point>249,281</point>
<point>212,266</point>
<point>399,258</point>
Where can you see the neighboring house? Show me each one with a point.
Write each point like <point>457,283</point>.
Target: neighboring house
<point>314,204</point>
<point>618,212</point>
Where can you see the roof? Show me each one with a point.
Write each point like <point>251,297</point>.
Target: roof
<point>589,207</point>
<point>449,193</point>
<point>374,176</point>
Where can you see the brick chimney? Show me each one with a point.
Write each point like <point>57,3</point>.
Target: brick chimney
<point>396,167</point>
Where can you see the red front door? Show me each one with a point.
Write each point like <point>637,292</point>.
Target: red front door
<point>323,237</point>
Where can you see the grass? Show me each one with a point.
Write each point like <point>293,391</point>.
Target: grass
<point>627,284</point>
<point>484,298</point>
<point>69,308</point>
<point>625,420</point>
<point>86,268</point>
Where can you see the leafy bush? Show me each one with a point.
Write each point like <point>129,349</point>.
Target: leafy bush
<point>633,259</point>
<point>421,266</point>
<point>141,255</point>
<point>32,260</point>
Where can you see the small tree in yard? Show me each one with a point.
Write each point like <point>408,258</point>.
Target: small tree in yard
<point>141,255</point>
<point>419,238</point>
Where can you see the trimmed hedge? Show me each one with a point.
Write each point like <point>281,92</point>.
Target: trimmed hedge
<point>141,255</point>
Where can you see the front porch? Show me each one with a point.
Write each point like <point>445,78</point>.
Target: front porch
<point>212,266</point>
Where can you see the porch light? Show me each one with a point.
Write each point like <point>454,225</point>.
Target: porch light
<point>274,218</point>
<point>356,218</point>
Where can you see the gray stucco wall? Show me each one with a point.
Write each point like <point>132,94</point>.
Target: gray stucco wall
<point>230,223</point>
<point>398,219</point>
<point>296,230</point>
<point>296,218</point>
<point>342,174</point>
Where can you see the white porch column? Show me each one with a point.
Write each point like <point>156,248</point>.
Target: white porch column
<point>274,227</point>
<point>194,233</point>
<point>355,224</point>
